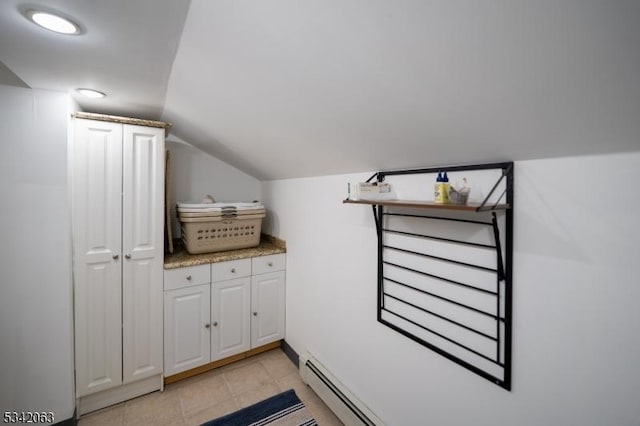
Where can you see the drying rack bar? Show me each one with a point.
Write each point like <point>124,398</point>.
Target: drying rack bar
<point>444,259</point>
<point>469,366</point>
<point>445,299</point>
<point>442,336</point>
<point>442,317</point>
<point>433,237</point>
<point>438,277</point>
<point>477,222</point>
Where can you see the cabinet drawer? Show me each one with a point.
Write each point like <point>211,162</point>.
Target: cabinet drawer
<point>186,277</point>
<point>232,269</point>
<point>263,264</point>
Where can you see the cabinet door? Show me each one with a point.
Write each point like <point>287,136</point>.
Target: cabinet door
<point>96,185</point>
<point>267,308</point>
<point>142,247</point>
<point>187,341</point>
<point>230,318</point>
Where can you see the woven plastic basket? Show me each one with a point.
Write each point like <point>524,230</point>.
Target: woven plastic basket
<point>211,234</point>
<point>458,197</point>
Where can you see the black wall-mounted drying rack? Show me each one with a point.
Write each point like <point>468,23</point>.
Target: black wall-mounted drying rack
<point>431,287</point>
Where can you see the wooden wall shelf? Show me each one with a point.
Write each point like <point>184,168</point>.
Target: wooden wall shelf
<point>470,207</point>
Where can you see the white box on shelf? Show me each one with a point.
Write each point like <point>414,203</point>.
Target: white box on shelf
<point>372,191</point>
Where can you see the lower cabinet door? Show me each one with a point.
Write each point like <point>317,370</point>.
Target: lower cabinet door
<point>187,338</point>
<point>267,308</point>
<point>230,317</point>
<point>141,317</point>
<point>98,329</point>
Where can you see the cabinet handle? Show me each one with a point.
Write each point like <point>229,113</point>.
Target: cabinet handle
<point>188,277</point>
<point>115,257</point>
<point>270,264</point>
<point>127,256</point>
<point>255,314</point>
<point>207,325</point>
<point>233,270</point>
<point>215,324</point>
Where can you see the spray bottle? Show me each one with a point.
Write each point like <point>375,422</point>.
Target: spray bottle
<point>441,192</point>
<point>437,193</point>
<point>445,187</point>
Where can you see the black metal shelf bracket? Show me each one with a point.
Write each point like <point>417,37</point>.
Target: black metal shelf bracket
<point>455,316</point>
<point>496,236</point>
<point>506,172</point>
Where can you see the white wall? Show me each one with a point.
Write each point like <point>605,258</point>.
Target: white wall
<point>576,291</point>
<point>195,174</point>
<point>35,255</point>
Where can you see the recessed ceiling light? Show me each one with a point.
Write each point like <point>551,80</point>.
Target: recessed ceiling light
<point>90,93</point>
<point>53,22</point>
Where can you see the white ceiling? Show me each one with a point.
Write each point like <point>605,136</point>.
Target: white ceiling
<point>127,50</point>
<point>289,88</point>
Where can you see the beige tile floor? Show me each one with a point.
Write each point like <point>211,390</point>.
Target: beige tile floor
<point>213,394</point>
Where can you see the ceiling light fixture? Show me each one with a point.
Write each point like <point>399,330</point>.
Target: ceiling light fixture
<point>53,22</point>
<point>90,93</point>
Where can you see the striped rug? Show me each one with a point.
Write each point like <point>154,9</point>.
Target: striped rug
<point>284,409</point>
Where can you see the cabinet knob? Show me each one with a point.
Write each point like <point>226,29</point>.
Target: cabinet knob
<point>233,270</point>
<point>215,324</point>
<point>270,264</point>
<point>188,277</point>
<point>207,325</point>
<point>255,314</point>
<point>127,256</point>
<point>115,257</point>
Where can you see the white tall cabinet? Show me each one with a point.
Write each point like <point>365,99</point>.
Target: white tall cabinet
<point>117,190</point>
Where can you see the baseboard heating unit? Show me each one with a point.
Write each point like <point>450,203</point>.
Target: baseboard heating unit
<point>350,410</point>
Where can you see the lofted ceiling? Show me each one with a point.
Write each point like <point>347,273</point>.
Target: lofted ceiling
<point>289,88</point>
<point>126,50</point>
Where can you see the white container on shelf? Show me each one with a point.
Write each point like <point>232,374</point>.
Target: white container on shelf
<point>372,191</point>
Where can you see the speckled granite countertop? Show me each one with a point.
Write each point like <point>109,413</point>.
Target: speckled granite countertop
<point>181,258</point>
<point>122,120</point>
